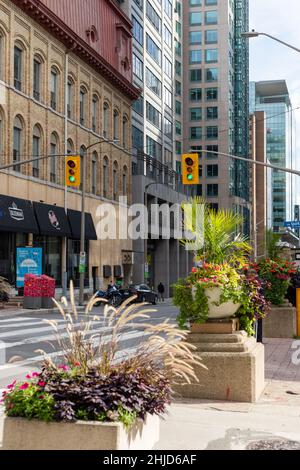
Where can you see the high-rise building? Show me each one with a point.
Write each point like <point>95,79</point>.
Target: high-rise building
<point>215,98</point>
<point>154,44</point>
<point>156,120</point>
<point>272,97</point>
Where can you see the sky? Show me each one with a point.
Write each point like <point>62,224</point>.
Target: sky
<point>270,60</point>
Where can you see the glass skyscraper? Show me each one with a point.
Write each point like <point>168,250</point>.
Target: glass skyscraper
<point>216,97</point>
<point>272,97</point>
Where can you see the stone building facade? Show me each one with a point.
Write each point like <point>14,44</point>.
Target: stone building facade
<point>58,96</point>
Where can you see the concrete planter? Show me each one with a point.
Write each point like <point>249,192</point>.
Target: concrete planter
<point>281,322</point>
<point>225,310</point>
<point>22,434</point>
<point>32,303</point>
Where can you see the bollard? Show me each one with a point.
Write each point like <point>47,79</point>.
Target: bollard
<point>298,310</point>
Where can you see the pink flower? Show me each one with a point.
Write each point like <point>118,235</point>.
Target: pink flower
<point>28,376</point>
<point>63,367</point>
<point>41,384</point>
<point>35,374</point>
<point>24,386</point>
<point>12,385</point>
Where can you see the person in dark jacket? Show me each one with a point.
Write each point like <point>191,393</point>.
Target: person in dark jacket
<point>161,291</point>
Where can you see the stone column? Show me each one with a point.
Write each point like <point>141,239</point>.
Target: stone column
<point>183,262</point>
<point>173,263</point>
<point>161,265</point>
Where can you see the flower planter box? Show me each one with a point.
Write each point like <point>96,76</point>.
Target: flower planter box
<point>47,302</point>
<point>32,302</point>
<point>22,434</point>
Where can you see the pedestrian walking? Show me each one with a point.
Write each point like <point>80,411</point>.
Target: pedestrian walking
<point>161,291</point>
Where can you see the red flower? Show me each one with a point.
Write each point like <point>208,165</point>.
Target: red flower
<point>194,270</point>
<point>41,384</point>
<point>77,364</point>
<point>12,385</point>
<point>35,374</point>
<point>24,386</point>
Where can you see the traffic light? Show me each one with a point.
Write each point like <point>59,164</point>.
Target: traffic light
<point>190,168</point>
<point>73,171</point>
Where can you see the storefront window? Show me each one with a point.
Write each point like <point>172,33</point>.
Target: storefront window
<point>8,244</point>
<point>51,256</point>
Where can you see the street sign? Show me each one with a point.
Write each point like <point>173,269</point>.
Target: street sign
<point>292,223</point>
<point>82,262</point>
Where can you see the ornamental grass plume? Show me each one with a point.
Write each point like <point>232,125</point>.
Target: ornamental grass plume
<point>162,352</point>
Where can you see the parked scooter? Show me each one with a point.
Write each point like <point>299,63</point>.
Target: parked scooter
<point>112,295</point>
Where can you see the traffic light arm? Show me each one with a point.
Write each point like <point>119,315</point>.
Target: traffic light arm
<point>24,162</point>
<point>254,162</point>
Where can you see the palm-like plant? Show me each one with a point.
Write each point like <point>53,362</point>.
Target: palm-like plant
<point>216,241</point>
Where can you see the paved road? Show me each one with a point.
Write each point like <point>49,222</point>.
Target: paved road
<point>21,335</point>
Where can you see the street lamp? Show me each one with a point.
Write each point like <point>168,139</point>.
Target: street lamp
<point>82,264</point>
<point>255,34</point>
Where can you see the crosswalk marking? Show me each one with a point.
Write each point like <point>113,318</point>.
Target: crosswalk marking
<point>33,360</point>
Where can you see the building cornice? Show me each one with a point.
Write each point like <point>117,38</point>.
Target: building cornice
<point>57,28</point>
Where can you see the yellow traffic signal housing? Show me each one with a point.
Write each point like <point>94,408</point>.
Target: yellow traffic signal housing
<point>190,168</point>
<point>72,171</point>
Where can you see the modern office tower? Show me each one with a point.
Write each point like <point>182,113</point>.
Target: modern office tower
<point>154,43</point>
<point>272,97</point>
<point>215,98</point>
<point>156,120</point>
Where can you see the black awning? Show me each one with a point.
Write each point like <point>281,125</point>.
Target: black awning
<point>16,215</point>
<point>75,224</point>
<point>52,220</point>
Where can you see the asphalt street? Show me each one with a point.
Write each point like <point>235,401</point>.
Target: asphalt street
<point>23,335</point>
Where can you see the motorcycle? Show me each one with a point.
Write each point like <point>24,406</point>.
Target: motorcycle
<point>112,295</point>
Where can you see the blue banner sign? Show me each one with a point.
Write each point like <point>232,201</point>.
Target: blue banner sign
<point>292,224</point>
<point>29,261</point>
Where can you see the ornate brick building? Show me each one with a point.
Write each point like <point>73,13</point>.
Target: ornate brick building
<point>65,84</point>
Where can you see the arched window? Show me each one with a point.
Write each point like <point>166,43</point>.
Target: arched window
<point>82,105</point>
<point>105,176</point>
<point>36,150</point>
<point>2,55</point>
<point>1,130</point>
<point>19,66</point>
<point>53,160</point>
<point>18,142</point>
<point>115,181</point>
<point>37,77</point>
<point>124,131</point>
<point>95,114</point>
<point>116,125</point>
<point>106,120</point>
<point>94,173</point>
<point>124,180</point>
<point>70,147</point>
<point>54,88</point>
<point>70,98</point>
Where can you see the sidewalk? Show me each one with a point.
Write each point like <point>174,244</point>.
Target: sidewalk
<point>217,425</point>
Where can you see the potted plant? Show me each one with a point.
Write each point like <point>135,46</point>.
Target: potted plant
<point>99,398</point>
<point>5,289</point>
<point>277,273</point>
<point>214,288</point>
<point>221,291</point>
